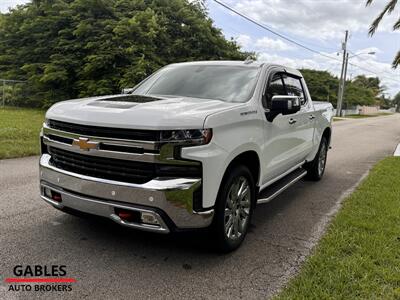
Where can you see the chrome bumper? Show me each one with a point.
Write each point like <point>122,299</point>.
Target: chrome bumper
<point>170,200</point>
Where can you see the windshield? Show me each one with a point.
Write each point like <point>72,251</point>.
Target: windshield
<point>226,83</point>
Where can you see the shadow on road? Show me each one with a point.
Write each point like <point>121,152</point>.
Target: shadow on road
<point>93,230</point>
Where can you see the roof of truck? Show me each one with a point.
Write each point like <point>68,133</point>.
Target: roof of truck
<point>240,63</point>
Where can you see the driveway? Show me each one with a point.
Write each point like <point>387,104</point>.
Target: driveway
<point>111,262</point>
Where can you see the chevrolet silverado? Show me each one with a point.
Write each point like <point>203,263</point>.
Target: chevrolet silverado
<point>195,145</point>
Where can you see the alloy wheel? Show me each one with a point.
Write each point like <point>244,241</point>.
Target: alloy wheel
<point>237,208</point>
<point>322,159</point>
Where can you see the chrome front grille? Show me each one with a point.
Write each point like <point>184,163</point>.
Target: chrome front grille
<point>115,158</point>
<point>118,170</point>
<point>106,132</point>
<point>99,167</point>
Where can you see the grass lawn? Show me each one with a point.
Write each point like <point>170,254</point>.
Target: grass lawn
<point>367,116</point>
<point>359,257</point>
<point>337,119</point>
<point>19,131</point>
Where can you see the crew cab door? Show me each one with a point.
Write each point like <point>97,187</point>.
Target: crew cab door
<point>288,138</point>
<point>305,118</point>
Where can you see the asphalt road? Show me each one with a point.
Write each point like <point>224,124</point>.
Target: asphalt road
<point>112,262</point>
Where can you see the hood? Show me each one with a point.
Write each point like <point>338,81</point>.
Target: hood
<point>138,112</point>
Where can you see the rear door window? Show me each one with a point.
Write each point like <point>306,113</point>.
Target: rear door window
<point>294,87</point>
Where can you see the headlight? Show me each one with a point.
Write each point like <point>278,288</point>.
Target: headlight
<point>187,136</point>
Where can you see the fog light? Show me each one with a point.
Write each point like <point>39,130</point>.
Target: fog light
<point>47,192</point>
<point>148,218</point>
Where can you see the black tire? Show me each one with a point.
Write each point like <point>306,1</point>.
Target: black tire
<point>316,168</point>
<point>235,176</point>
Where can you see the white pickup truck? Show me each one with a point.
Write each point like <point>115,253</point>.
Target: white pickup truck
<point>194,145</point>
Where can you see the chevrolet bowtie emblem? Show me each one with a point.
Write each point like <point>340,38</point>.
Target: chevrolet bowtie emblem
<point>85,144</point>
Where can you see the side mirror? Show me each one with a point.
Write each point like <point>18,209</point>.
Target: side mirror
<point>284,105</point>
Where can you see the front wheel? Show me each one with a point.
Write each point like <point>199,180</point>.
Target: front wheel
<point>234,208</point>
<point>316,168</point>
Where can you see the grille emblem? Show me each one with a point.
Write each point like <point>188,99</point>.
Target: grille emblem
<point>85,144</point>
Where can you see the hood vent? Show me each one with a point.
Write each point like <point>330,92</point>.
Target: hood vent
<point>111,104</point>
<point>122,101</point>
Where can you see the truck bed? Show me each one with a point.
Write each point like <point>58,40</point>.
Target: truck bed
<point>322,105</point>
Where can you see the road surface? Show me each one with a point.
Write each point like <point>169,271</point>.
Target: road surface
<point>111,262</point>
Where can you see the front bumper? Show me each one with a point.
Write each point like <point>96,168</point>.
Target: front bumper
<point>169,200</point>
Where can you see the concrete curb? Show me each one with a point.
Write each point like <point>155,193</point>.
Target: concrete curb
<point>397,151</point>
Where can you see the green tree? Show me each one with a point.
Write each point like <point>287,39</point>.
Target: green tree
<point>356,94</point>
<point>389,8</point>
<point>372,83</point>
<point>369,89</point>
<point>396,101</point>
<point>323,86</point>
<point>75,48</point>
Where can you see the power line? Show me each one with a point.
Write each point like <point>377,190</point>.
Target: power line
<point>295,42</point>
<point>380,70</point>
<point>375,73</point>
<point>370,71</point>
<point>300,40</point>
<point>273,31</point>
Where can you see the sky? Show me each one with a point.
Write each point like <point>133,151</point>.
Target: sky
<point>317,24</point>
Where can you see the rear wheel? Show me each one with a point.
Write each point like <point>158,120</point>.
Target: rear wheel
<point>234,208</point>
<point>316,168</point>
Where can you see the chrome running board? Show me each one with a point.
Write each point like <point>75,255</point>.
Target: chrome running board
<point>270,192</point>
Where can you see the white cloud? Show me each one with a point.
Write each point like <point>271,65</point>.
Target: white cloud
<point>262,44</point>
<point>244,40</point>
<point>266,43</point>
<point>323,20</point>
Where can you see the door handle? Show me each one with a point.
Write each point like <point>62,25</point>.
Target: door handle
<point>311,117</point>
<point>292,121</point>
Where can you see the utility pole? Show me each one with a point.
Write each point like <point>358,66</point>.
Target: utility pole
<point>344,82</point>
<point>342,76</point>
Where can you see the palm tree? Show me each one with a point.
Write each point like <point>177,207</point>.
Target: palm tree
<point>387,10</point>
